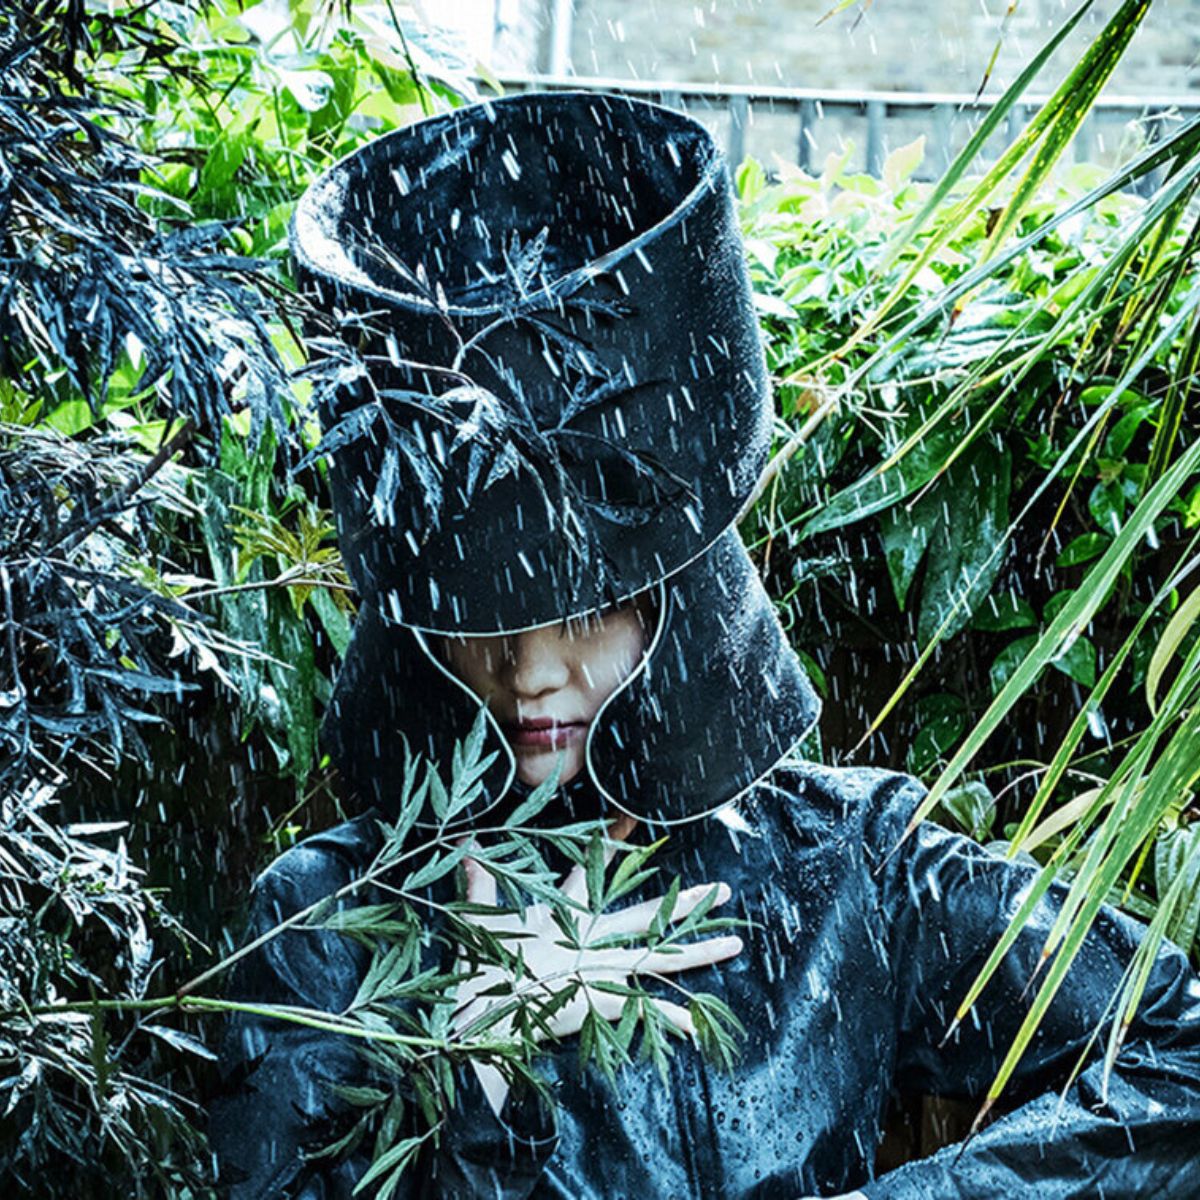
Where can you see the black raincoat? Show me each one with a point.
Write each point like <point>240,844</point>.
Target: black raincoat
<point>859,952</point>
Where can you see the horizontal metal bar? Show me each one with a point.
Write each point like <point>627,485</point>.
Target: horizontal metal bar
<point>722,93</point>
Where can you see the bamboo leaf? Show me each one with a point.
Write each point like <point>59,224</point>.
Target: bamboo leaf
<point>666,909</point>
<point>394,1160</point>
<point>594,871</point>
<point>1068,625</point>
<point>1179,626</point>
<point>1091,709</point>
<point>993,117</point>
<point>1072,813</point>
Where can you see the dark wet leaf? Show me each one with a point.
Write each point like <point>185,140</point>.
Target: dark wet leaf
<point>966,551</point>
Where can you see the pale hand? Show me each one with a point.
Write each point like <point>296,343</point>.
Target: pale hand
<point>551,965</point>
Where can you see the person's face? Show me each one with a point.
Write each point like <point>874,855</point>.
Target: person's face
<point>544,686</point>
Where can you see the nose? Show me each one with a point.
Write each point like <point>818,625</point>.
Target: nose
<point>536,664</point>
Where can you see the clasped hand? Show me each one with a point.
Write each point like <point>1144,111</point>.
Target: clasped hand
<point>552,964</point>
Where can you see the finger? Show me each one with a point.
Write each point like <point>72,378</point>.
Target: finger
<point>694,954</point>
<point>574,886</point>
<point>637,917</point>
<point>481,887</point>
<point>612,1008</point>
<point>677,1015</point>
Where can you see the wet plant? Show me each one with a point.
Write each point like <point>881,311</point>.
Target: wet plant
<point>77,1095</point>
<point>995,482</point>
<point>137,345</point>
<point>1000,463</point>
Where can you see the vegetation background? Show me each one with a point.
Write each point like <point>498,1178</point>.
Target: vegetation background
<point>980,524</point>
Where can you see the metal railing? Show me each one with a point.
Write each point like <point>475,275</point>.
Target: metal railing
<point>940,114</point>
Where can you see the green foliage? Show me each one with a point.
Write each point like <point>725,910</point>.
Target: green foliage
<point>994,500</point>
<point>160,553</point>
<point>402,1010</point>
<point>988,383</point>
<point>84,1093</point>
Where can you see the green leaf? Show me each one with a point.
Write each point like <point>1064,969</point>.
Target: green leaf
<point>973,809</point>
<point>537,800</point>
<point>902,162</point>
<point>1088,713</point>
<point>223,160</point>
<point>717,1030</point>
<point>594,871</point>
<point>587,1037</point>
<point>1009,660</point>
<point>71,417</point>
<point>1107,504</point>
<point>1068,624</point>
<point>973,202</point>
<point>333,620</point>
<point>1191,509</point>
<point>439,799</point>
<point>385,971</point>
<point>972,522</point>
<point>395,1160</point>
<point>294,676</point>
<point>1182,622</point>
<point>363,920</point>
<point>181,1040</point>
<point>629,873</point>
<point>1176,853</point>
<point>436,867</point>
<point>1056,604</point>
<point>412,801</point>
<point>696,921</point>
<point>1084,548</point>
<point>998,614</point>
<point>656,1030</point>
<point>666,909</point>
<point>360,1095</point>
<point>1116,445</point>
<point>628,1023</point>
<point>1078,662</point>
<point>1099,393</point>
<point>941,720</point>
<point>905,532</point>
<point>882,488</point>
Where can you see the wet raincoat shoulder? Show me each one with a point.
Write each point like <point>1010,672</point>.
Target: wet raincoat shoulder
<point>860,949</point>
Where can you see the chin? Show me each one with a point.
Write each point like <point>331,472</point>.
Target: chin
<point>537,768</point>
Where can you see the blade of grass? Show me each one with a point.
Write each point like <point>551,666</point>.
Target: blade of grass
<point>1180,144</point>
<point>1177,770</point>
<point>1012,692</point>
<point>1063,112</point>
<point>1142,965</point>
<point>1067,625</point>
<point>1077,100</point>
<point>1126,780</point>
<point>1079,726</point>
<point>1180,624</point>
<point>988,126</point>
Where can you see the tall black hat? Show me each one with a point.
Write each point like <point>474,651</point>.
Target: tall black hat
<point>553,397</point>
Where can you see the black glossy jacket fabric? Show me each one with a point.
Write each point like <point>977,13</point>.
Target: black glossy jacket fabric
<point>848,979</point>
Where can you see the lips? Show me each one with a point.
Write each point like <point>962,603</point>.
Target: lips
<point>544,733</point>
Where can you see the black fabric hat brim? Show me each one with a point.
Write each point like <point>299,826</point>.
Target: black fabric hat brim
<point>717,700</point>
